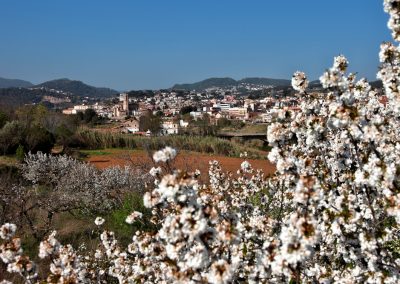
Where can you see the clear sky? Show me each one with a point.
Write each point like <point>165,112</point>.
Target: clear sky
<point>154,44</point>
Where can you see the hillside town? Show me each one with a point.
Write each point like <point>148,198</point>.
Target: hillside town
<point>177,109</point>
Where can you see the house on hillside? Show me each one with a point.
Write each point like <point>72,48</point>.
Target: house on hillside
<point>169,127</point>
<point>131,126</point>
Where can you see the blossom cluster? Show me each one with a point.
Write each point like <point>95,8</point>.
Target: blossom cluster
<point>75,184</point>
<point>11,254</point>
<point>299,81</point>
<point>392,7</point>
<point>164,155</point>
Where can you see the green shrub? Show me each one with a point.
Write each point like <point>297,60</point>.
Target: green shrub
<point>63,135</point>
<point>20,153</point>
<point>3,119</point>
<point>116,220</point>
<point>39,139</point>
<point>11,135</point>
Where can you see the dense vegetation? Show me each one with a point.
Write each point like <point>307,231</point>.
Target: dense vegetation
<point>141,94</point>
<point>13,97</point>
<point>90,139</point>
<point>32,128</point>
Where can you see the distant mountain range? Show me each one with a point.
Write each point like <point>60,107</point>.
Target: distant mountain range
<point>229,82</point>
<point>14,83</point>
<point>76,88</point>
<point>80,89</point>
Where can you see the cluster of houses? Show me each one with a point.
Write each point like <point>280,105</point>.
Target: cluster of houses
<point>167,127</point>
<point>169,104</point>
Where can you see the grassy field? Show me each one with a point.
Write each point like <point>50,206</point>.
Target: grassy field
<point>248,128</point>
<point>97,152</point>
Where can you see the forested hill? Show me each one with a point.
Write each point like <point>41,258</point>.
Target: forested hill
<point>229,82</point>
<point>14,83</point>
<point>265,81</point>
<point>208,83</point>
<point>12,97</point>
<point>78,88</point>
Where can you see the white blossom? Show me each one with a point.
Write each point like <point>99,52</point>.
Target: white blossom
<point>99,221</point>
<point>164,155</point>
<point>155,171</point>
<point>299,81</point>
<point>133,216</point>
<point>7,231</point>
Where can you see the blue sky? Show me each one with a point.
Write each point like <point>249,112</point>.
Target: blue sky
<point>154,44</point>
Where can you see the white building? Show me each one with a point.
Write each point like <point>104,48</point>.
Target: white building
<point>68,111</point>
<point>169,127</point>
<point>238,112</point>
<point>196,114</point>
<point>80,108</point>
<point>223,106</point>
<point>131,126</point>
<point>183,124</point>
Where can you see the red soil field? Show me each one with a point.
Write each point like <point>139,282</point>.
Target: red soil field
<point>189,161</point>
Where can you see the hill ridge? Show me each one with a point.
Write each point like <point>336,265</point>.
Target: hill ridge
<point>14,83</point>
<point>230,82</point>
<point>77,88</point>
